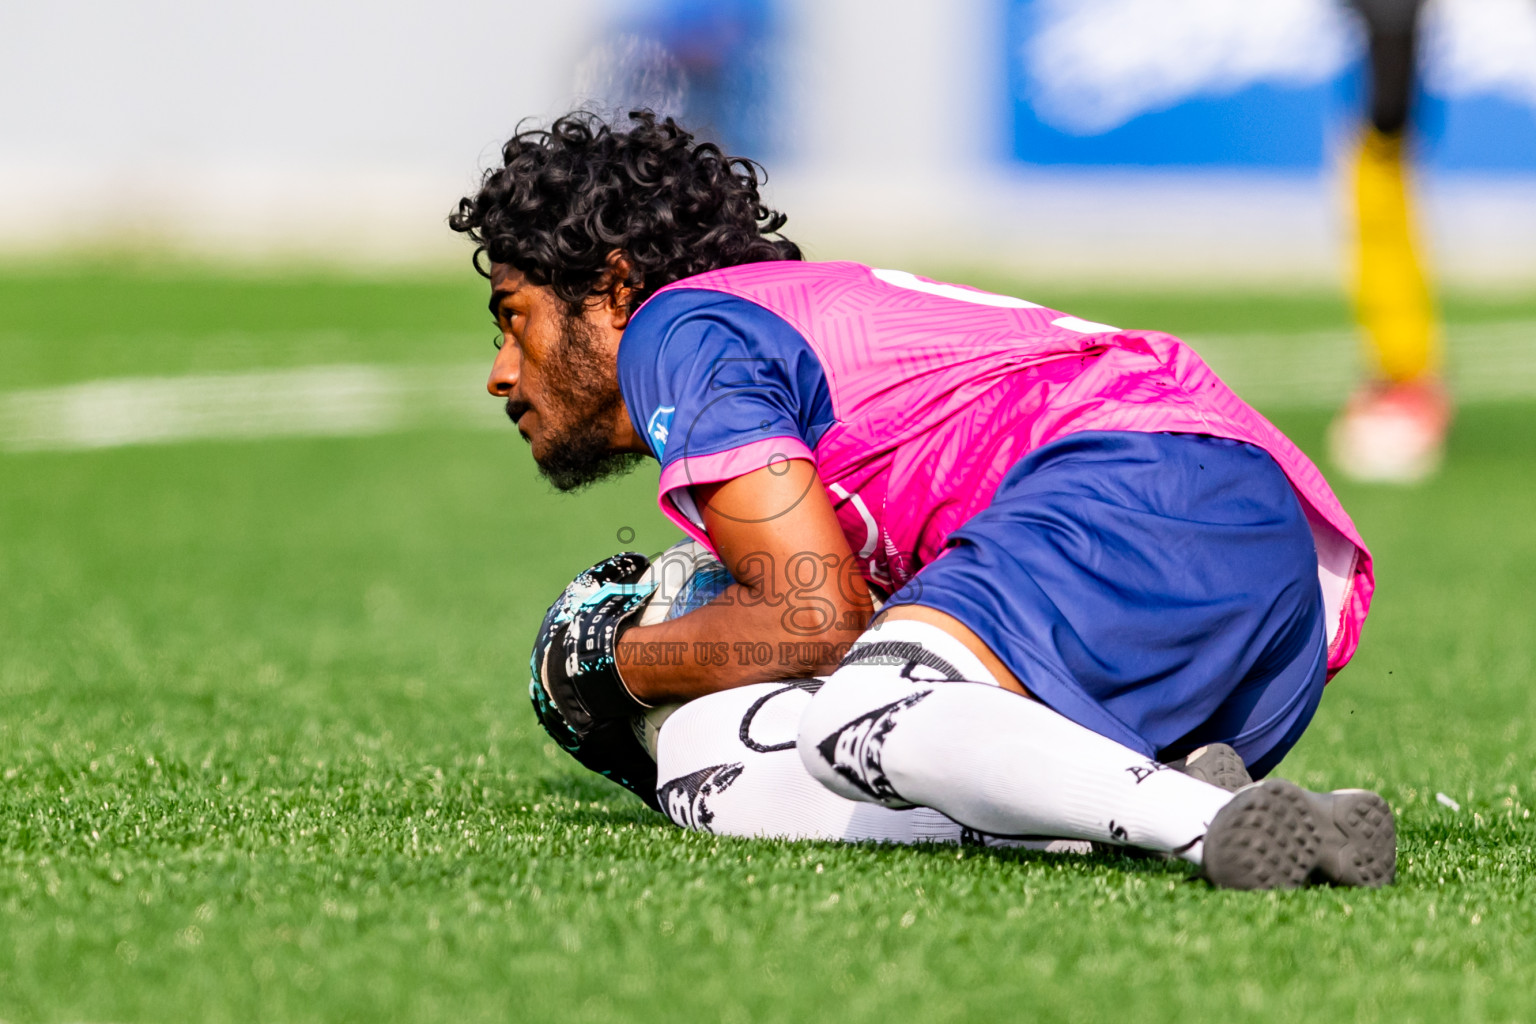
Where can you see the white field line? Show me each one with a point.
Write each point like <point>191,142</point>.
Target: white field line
<point>1487,362</point>
<point>312,401</point>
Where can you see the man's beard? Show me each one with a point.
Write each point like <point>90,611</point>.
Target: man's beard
<point>583,396</point>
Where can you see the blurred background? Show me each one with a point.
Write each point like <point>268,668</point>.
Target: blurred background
<point>1191,140</point>
<point>271,559</point>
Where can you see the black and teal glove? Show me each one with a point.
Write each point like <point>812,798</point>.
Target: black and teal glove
<point>576,690</point>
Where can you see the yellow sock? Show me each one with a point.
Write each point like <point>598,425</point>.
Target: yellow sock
<point>1392,293</point>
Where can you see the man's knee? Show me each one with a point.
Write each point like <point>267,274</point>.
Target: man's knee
<point>844,729</point>
<point>891,670</point>
<point>728,765</point>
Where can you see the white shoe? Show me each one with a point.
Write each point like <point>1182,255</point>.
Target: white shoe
<point>1392,433</point>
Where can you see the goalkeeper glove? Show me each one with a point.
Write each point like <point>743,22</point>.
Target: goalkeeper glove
<point>573,656</point>
<point>611,748</point>
<point>576,690</point>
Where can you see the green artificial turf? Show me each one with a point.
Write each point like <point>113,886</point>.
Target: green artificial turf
<point>266,755</point>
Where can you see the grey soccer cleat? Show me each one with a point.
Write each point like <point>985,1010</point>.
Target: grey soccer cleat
<point>1276,835</point>
<point>1217,764</point>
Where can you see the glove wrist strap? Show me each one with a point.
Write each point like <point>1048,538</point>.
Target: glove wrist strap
<point>600,685</point>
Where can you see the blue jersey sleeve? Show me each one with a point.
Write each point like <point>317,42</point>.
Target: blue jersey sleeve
<point>719,386</point>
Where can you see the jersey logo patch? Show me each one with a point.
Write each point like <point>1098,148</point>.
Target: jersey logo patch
<point>660,427</point>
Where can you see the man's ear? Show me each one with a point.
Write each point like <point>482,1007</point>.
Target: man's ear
<point>617,291</point>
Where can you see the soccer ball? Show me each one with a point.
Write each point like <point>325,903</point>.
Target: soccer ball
<point>686,576</point>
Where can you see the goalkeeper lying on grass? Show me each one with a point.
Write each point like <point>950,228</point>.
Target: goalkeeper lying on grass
<point>1097,559</point>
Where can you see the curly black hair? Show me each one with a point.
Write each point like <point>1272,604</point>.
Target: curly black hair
<point>567,196</point>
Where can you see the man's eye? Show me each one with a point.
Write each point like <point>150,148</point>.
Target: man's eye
<point>506,324</point>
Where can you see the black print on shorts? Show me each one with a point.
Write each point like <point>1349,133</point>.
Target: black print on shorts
<point>686,800</point>
<point>854,750</point>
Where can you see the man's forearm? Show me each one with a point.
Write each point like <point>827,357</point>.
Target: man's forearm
<point>739,638</point>
<point>798,602</point>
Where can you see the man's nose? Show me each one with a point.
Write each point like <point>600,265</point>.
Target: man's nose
<point>504,372</point>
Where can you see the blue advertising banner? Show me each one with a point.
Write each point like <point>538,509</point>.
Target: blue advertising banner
<point>1262,84</point>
